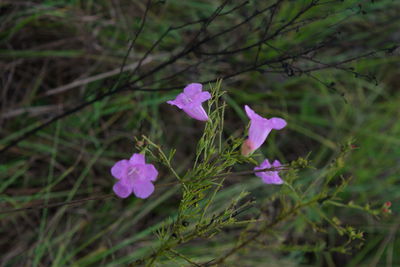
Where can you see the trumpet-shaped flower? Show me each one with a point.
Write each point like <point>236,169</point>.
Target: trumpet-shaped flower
<point>259,129</point>
<point>190,101</point>
<point>269,177</point>
<point>135,176</point>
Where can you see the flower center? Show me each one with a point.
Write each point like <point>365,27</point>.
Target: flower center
<point>187,100</point>
<point>134,172</point>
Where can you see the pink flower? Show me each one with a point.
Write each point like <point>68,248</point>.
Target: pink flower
<point>269,177</point>
<point>190,101</point>
<point>135,176</point>
<point>259,129</point>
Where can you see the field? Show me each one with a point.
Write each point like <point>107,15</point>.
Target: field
<point>84,84</point>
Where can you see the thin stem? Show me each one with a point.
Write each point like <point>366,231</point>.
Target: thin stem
<point>103,197</point>
<point>176,253</point>
<point>257,234</point>
<point>58,204</point>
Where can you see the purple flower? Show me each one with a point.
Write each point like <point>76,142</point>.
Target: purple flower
<point>269,177</point>
<point>190,101</point>
<point>259,129</point>
<point>135,176</point>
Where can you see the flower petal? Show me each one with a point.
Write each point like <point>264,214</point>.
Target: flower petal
<point>137,159</point>
<point>260,174</point>
<point>193,89</point>
<point>265,164</point>
<point>150,172</point>
<point>272,178</point>
<point>196,112</point>
<point>173,102</point>
<point>143,189</point>
<point>269,177</point>
<point>119,169</point>
<point>122,190</point>
<point>276,164</point>
<point>251,114</point>
<point>277,123</point>
<point>258,132</point>
<point>202,97</point>
<point>181,101</point>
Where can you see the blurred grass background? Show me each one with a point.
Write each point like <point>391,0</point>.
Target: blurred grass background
<point>45,45</point>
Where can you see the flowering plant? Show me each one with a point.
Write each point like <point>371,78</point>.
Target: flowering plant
<point>199,214</point>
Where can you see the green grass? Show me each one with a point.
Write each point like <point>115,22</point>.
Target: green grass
<point>71,158</point>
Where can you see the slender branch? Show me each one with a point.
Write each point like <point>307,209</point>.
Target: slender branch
<point>193,46</point>
<point>258,233</point>
<point>176,253</point>
<point>263,40</point>
<point>58,204</point>
<point>139,31</point>
<point>103,197</point>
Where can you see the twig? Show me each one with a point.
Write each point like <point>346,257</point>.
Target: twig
<point>102,197</point>
<point>138,32</point>
<point>58,204</point>
<point>94,78</point>
<point>176,253</point>
<point>193,46</point>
